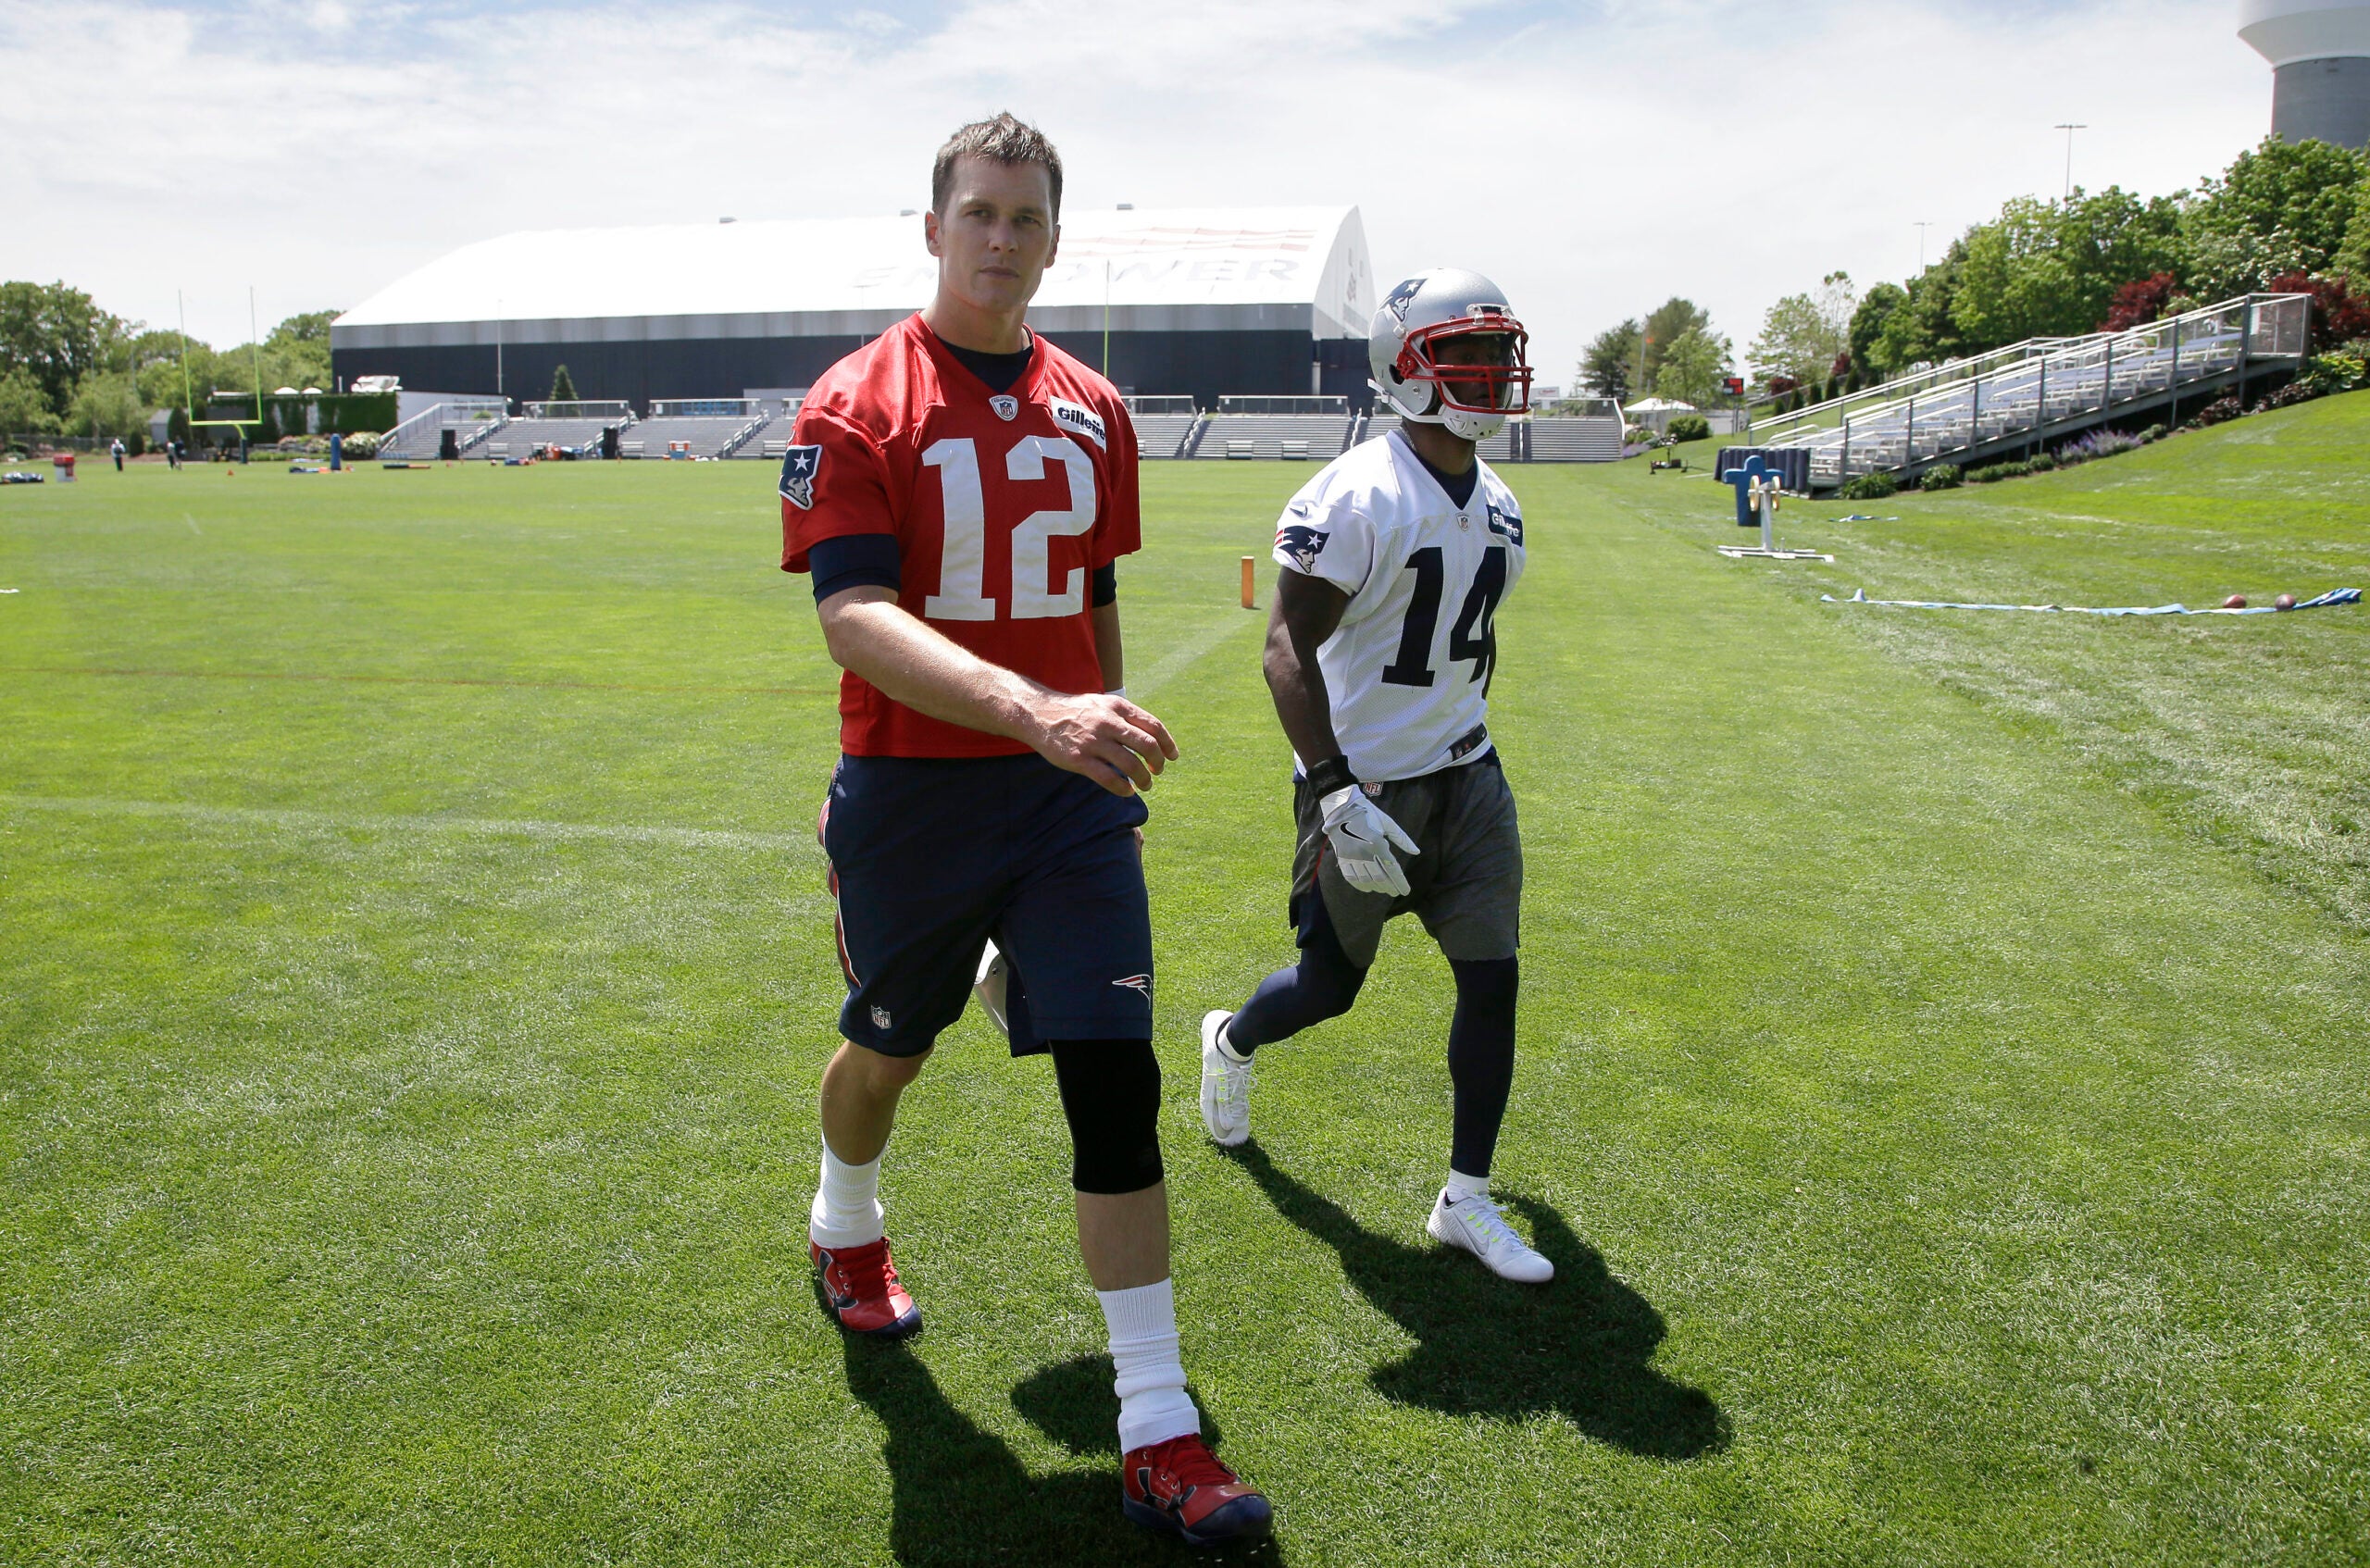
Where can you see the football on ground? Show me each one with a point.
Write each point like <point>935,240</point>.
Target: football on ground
<point>1939,1087</point>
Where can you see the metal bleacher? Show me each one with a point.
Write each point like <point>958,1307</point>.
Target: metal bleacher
<point>1583,438</point>
<point>421,439</point>
<point>1314,429</point>
<point>2016,400</point>
<point>706,428</point>
<point>1163,425</point>
<point>771,438</point>
<point>572,427</point>
<point>1504,447</point>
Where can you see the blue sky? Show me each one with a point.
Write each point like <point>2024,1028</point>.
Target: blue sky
<point>1594,158</point>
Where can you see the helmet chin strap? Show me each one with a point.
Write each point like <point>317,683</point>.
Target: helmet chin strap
<point>1461,423</point>
<point>1471,427</point>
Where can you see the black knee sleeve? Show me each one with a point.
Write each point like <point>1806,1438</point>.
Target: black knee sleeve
<point>1110,1095</point>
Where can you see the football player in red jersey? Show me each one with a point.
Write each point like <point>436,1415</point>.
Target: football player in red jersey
<point>960,490</point>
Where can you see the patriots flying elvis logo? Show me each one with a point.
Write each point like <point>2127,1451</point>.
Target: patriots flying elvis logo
<point>1139,983</point>
<point>1400,298</point>
<point>1302,544</point>
<point>801,466</point>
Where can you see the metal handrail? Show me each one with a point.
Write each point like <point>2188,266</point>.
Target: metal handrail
<point>1892,387</point>
<point>461,413</point>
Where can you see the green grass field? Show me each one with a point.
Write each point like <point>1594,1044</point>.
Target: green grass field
<point>1942,1083</point>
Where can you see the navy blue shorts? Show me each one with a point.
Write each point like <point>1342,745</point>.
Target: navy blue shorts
<point>931,856</point>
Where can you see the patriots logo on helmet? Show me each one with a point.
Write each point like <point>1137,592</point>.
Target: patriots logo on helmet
<point>801,466</point>
<point>1302,544</point>
<point>1400,298</point>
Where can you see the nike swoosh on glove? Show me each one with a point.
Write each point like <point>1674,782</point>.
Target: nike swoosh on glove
<point>1362,836</point>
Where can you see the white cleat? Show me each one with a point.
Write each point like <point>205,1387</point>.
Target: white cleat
<point>1475,1224</point>
<point>1226,1086</point>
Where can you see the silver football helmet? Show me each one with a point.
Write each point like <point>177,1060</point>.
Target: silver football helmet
<point>1426,311</point>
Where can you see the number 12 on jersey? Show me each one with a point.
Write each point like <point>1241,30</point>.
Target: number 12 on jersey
<point>963,562</point>
<point>1471,638</point>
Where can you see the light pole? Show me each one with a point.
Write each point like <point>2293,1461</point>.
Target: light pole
<point>2070,127</point>
<point>1921,226</point>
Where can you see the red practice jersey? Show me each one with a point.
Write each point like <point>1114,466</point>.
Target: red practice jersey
<point>1003,505</point>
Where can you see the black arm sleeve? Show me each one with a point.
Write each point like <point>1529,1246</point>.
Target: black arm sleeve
<point>1106,585</point>
<point>856,560</point>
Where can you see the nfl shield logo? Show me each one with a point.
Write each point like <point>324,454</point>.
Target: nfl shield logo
<point>879,1017</point>
<point>800,467</point>
<point>1005,405</point>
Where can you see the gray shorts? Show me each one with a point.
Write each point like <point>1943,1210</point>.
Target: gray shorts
<point>1466,885</point>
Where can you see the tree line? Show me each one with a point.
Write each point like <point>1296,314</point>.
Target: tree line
<point>2283,216</point>
<point>68,366</point>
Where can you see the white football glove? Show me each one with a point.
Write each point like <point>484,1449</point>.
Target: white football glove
<point>1362,836</point>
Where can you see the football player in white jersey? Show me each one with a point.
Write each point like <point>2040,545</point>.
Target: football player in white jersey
<point>1380,653</point>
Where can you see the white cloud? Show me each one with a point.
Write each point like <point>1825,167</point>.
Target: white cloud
<point>1593,158</point>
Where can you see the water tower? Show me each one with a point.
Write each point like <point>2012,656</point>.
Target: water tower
<point>2319,52</point>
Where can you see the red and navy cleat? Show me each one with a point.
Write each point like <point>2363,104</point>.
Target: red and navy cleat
<point>860,1283</point>
<point>1179,1486</point>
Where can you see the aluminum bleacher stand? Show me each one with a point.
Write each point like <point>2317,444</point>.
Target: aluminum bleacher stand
<point>421,439</point>
<point>709,427</point>
<point>706,438</point>
<point>1592,435</point>
<point>771,438</point>
<point>1164,424</point>
<point>532,438</point>
<point>574,428</point>
<point>1498,449</point>
<point>2017,400</point>
<point>1295,429</point>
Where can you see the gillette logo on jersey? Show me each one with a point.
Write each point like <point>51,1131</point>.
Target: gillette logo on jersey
<point>1002,506</point>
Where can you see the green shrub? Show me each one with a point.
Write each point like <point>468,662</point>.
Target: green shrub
<point>1869,487</point>
<point>2041,465</point>
<point>361,446</point>
<point>1690,427</point>
<point>2338,370</point>
<point>2221,411</point>
<point>1942,475</point>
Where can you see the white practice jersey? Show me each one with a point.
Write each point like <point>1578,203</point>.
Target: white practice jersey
<point>1409,665</point>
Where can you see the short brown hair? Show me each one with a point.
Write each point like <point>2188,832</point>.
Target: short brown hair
<point>1001,139</point>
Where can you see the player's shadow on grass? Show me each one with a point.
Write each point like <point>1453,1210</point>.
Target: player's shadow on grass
<point>959,1495</point>
<point>1579,1348</point>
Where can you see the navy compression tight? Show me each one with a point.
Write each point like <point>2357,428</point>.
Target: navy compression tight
<point>1481,1037</point>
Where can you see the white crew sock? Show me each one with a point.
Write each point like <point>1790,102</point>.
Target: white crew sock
<point>1226,1046</point>
<point>846,1212</point>
<point>1153,1406</point>
<point>1461,1186</point>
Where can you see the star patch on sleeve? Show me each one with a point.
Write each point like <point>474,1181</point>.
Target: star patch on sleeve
<point>801,467</point>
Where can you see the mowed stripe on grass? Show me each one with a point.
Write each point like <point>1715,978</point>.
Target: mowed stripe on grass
<point>1948,1156</point>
